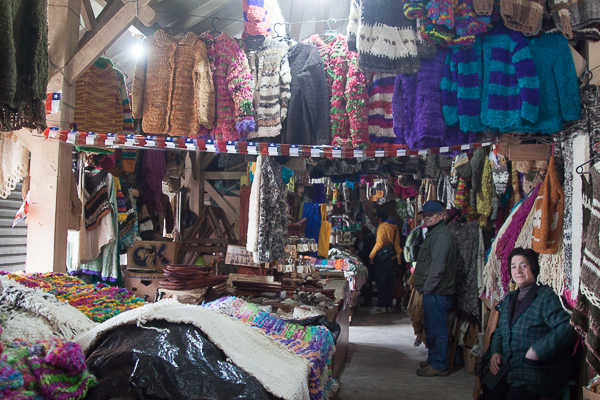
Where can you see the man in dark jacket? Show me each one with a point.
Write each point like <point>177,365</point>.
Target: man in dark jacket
<point>434,278</point>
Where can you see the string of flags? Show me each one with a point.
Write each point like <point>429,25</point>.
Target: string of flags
<point>53,102</point>
<point>237,147</point>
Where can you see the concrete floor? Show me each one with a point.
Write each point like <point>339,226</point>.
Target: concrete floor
<point>382,363</point>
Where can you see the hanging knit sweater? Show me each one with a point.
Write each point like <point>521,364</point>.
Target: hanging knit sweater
<point>308,115</point>
<point>510,83</point>
<point>173,87</point>
<point>233,89</point>
<point>270,72</point>
<point>417,110</point>
<point>584,20</point>
<point>381,120</point>
<point>559,90</point>
<point>273,221</point>
<point>549,214</point>
<point>102,101</point>
<point>348,112</point>
<point>461,88</point>
<point>386,39</point>
<point>24,64</point>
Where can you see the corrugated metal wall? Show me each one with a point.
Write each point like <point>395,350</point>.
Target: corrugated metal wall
<point>13,241</point>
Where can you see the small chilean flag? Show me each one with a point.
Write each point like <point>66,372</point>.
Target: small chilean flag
<point>23,211</point>
<point>52,103</point>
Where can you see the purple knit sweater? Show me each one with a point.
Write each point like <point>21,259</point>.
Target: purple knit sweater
<point>417,108</point>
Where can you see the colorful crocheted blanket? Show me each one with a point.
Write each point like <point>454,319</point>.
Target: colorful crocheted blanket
<point>99,302</point>
<point>48,369</point>
<point>314,343</point>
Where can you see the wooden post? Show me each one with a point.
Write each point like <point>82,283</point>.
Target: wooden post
<point>50,169</point>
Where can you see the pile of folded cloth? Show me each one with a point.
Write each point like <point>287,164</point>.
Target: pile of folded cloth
<point>187,277</point>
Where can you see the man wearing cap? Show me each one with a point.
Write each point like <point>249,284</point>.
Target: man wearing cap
<point>434,278</point>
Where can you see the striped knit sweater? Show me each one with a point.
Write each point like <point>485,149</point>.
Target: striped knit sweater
<point>381,121</point>
<point>461,88</point>
<point>102,102</point>
<point>349,97</point>
<point>233,89</point>
<point>510,82</point>
<point>559,90</point>
<point>270,72</point>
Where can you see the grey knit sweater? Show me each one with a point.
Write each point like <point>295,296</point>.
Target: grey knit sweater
<point>308,114</point>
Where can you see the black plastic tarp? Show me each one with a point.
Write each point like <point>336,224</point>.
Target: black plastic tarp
<point>172,361</point>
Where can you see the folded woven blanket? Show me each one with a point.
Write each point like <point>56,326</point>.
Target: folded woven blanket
<point>279,370</point>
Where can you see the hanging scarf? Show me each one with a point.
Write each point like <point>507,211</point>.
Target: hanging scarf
<point>98,204</point>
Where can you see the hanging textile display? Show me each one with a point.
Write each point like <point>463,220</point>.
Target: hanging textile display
<point>549,214</point>
<point>173,90</point>
<point>381,120</point>
<point>324,233</point>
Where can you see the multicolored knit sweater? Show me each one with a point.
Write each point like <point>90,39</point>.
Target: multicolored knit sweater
<point>510,82</point>
<point>233,89</point>
<point>461,88</point>
<point>381,120</point>
<point>270,72</point>
<point>559,90</point>
<point>349,96</point>
<point>417,108</point>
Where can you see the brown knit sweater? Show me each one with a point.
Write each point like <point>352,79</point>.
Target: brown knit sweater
<point>549,214</point>
<point>172,87</point>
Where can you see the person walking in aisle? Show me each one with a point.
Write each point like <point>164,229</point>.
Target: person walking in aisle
<point>386,256</point>
<point>434,278</point>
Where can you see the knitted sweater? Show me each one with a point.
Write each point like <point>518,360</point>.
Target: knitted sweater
<point>308,115</point>
<point>270,72</point>
<point>584,21</point>
<point>386,39</point>
<point>549,214</point>
<point>461,88</point>
<point>417,108</point>
<point>173,88</point>
<point>102,101</point>
<point>24,64</point>
<point>381,121</point>
<point>233,88</point>
<point>510,83</point>
<point>452,23</point>
<point>559,90</point>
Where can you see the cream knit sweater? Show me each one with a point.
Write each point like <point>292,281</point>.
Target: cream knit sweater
<point>271,75</point>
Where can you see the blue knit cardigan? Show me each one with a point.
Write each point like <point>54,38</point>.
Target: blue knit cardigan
<point>559,90</point>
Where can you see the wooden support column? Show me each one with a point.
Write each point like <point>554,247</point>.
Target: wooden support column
<point>50,169</point>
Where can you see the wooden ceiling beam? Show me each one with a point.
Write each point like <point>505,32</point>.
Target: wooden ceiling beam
<point>87,13</point>
<point>106,34</point>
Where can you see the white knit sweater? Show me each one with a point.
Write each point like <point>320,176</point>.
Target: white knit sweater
<point>271,75</point>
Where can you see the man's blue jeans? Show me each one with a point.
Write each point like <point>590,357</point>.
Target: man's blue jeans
<point>436,308</point>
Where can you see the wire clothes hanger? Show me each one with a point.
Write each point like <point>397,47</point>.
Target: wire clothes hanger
<point>592,160</point>
<point>330,33</point>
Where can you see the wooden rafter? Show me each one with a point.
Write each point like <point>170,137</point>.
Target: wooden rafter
<point>221,201</point>
<point>87,13</point>
<point>111,23</point>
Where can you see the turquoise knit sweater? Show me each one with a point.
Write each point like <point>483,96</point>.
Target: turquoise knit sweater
<point>559,91</point>
<point>510,83</point>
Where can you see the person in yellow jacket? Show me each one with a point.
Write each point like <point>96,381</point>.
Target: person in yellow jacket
<point>385,267</point>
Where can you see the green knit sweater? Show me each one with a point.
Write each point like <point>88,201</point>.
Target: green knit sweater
<point>24,63</point>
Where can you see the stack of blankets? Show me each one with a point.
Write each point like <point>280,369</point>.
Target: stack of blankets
<point>188,277</point>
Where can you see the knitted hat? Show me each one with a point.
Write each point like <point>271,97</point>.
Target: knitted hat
<point>54,383</point>
<point>256,19</point>
<point>10,378</point>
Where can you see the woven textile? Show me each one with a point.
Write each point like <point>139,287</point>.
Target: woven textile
<point>99,302</point>
<point>466,241</point>
<point>98,203</point>
<point>314,343</point>
<point>48,369</point>
<point>14,162</point>
<point>173,87</point>
<point>549,214</point>
<point>273,221</point>
<point>590,265</point>
<point>381,120</point>
<point>586,321</point>
<point>43,314</point>
<point>278,369</point>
